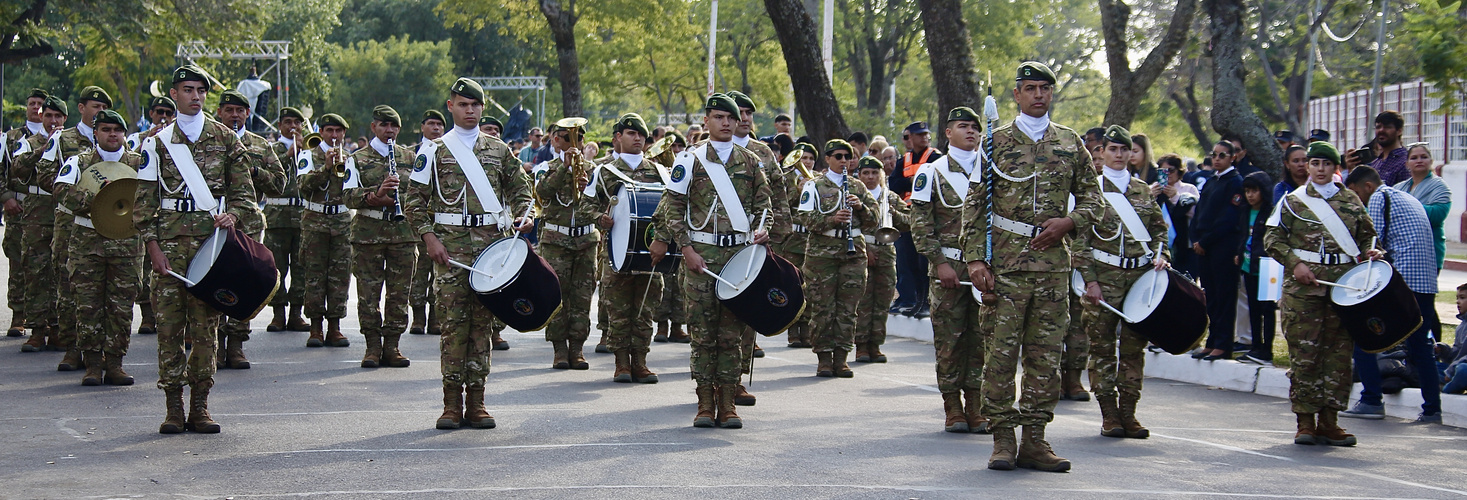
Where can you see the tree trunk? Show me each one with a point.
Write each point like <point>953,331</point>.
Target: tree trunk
<point>1231,113</point>
<point>563,28</point>
<point>801,48</point>
<point>1128,87</point>
<point>1188,106</point>
<point>951,58</point>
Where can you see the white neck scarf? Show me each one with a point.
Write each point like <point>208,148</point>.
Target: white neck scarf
<point>875,192</point>
<point>632,160</point>
<point>966,159</point>
<point>834,177</point>
<point>1033,127</point>
<point>110,155</point>
<point>1325,190</point>
<point>468,136</point>
<point>743,142</point>
<point>1120,178</point>
<point>724,149</point>
<point>191,125</point>
<point>288,142</point>
<point>240,133</point>
<point>35,127</point>
<point>86,131</point>
<point>378,146</point>
<point>557,155</point>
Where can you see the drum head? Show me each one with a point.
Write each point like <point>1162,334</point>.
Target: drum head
<point>977,295</point>
<point>621,228</point>
<point>502,261</point>
<point>741,270</point>
<point>1370,278</point>
<point>1146,294</point>
<point>204,259</point>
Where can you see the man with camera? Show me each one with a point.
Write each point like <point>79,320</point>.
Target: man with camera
<point>1391,164</point>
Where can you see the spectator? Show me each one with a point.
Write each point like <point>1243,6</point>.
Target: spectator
<point>859,141</point>
<point>911,266</point>
<point>1143,163</point>
<point>889,159</point>
<point>1456,371</point>
<point>1390,155</point>
<point>1433,194</point>
<point>1253,224</point>
<point>1285,138</point>
<point>878,144</point>
<point>1095,143</point>
<point>527,154</point>
<point>783,124</point>
<point>657,134</point>
<point>1203,174</point>
<point>1241,162</point>
<point>694,132</point>
<point>1215,239</point>
<point>1179,200</point>
<point>1405,233</point>
<point>783,145</point>
<point>1296,169</point>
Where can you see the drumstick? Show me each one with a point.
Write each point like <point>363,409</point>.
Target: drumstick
<point>181,278</point>
<point>1330,283</point>
<point>762,219</point>
<point>469,268</point>
<point>720,278</point>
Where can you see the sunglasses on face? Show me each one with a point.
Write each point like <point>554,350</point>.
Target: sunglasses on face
<point>1167,170</point>
<point>163,111</point>
<point>841,156</point>
<point>1221,155</point>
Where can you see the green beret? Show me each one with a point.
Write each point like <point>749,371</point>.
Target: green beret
<point>55,103</point>
<point>743,100</point>
<point>433,114</point>
<point>869,162</point>
<point>191,73</point>
<point>1118,135</point>
<point>385,113</point>
<point>290,112</point>
<point>94,93</point>
<point>487,120</point>
<point>38,93</point>
<point>1322,149</point>
<point>468,88</point>
<point>108,116</point>
<point>160,101</point>
<point>631,121</point>
<point>834,144</point>
<point>678,138</point>
<point>233,97</point>
<point>962,114</point>
<point>332,119</point>
<point>1035,70</point>
<point>722,102</point>
<point>807,147</point>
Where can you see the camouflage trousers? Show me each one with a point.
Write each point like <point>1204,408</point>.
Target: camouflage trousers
<point>602,321</point>
<point>672,308</point>
<point>145,286</point>
<point>468,327</point>
<point>421,291</point>
<point>1027,318</point>
<point>876,300</point>
<point>1320,350</point>
<point>65,291</point>
<point>379,266</point>
<point>717,348</point>
<point>833,291</point>
<point>1118,358</point>
<point>628,300</point>
<point>15,253</point>
<point>577,272</point>
<point>1077,343</point>
<point>800,329</point>
<point>326,272</point>
<point>104,300</point>
<point>181,317</point>
<point>956,337</point>
<point>40,289</point>
<point>285,244</point>
<point>233,328</point>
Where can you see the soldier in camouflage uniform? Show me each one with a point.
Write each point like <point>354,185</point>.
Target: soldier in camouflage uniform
<point>12,141</point>
<point>283,227</point>
<point>268,177</point>
<point>793,247</point>
<point>835,276</point>
<point>1110,257</point>
<point>175,219</point>
<point>325,249</point>
<point>779,213</point>
<point>384,251</point>
<point>880,264</point>
<point>456,221</point>
<point>628,298</point>
<point>695,218</point>
<point>1076,357</point>
<point>37,225</point>
<point>1319,347</point>
<point>568,237</point>
<point>106,270</point>
<point>939,190</point>
<point>425,315</point>
<point>1038,165</point>
<point>161,111</point>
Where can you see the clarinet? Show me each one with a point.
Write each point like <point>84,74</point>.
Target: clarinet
<point>395,213</point>
<point>845,189</point>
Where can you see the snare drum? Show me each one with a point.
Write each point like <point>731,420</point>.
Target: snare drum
<point>631,231</point>
<point>520,287</point>
<point>243,281</point>
<point>1168,309</point>
<point>768,295</point>
<point>1382,313</point>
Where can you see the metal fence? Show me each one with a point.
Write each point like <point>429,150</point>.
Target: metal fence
<point>1347,117</point>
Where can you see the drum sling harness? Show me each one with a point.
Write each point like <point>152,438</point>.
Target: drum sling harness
<point>1328,218</point>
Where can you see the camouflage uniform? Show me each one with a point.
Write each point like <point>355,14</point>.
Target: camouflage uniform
<point>1076,345</point>
<point>37,224</point>
<point>384,252</point>
<point>672,308</point>
<point>12,243</point>
<point>936,232</point>
<point>834,280</point>
<point>1029,309</point>
<point>269,177</point>
<point>564,212</point>
<point>71,141</point>
<point>283,232</point>
<point>325,252</point>
<point>1319,347</point>
<point>880,278</point>
<point>107,271</point>
<point>628,299</point>
<point>779,215</point>
<point>792,248</point>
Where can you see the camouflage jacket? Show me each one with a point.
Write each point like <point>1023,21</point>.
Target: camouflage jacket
<point>35,208</point>
<point>938,223</point>
<point>438,186</point>
<point>71,142</point>
<point>282,216</point>
<point>1294,226</point>
<point>820,199</point>
<point>372,169</point>
<point>793,180</point>
<point>321,185</point>
<point>698,207</point>
<point>1060,166</point>
<point>85,240</point>
<point>10,142</point>
<point>222,160</point>
<point>781,219</point>
<point>267,174</point>
<point>1109,235</point>
<point>562,204</point>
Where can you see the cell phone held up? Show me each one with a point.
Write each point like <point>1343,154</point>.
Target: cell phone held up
<point>1364,155</point>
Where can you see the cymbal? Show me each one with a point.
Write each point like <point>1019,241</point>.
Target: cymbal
<point>113,186</point>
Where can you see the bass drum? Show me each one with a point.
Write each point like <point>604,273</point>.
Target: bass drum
<point>631,231</point>
<point>768,295</point>
<point>1382,313</point>
<point>518,286</point>
<point>234,274</point>
<point>1168,309</point>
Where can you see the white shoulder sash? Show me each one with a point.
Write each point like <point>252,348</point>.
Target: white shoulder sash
<point>474,172</point>
<point>1122,206</point>
<point>958,179</point>
<point>1329,218</point>
<point>726,193</point>
<point>183,160</point>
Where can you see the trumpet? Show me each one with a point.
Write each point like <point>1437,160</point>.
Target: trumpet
<point>887,233</point>
<point>312,140</point>
<point>793,160</point>
<point>338,162</point>
<point>661,151</point>
<point>575,159</point>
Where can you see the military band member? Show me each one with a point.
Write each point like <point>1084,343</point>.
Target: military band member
<point>37,226</point>
<point>568,237</point>
<point>467,191</point>
<point>836,209</point>
<point>780,213</point>
<point>492,126</point>
<point>628,298</point>
<point>325,249</point>
<point>716,195</point>
<point>1038,166</point>
<point>939,191</point>
<point>793,248</point>
<point>384,250</point>
<point>11,195</point>
<point>672,313</point>
<point>1128,241</point>
<point>425,317</point>
<point>160,111</point>
<point>283,226</point>
<point>195,178</point>
<point>106,271</point>
<point>880,264</point>
<point>1318,232</point>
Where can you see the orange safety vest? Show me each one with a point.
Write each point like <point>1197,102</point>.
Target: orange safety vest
<point>909,168</point>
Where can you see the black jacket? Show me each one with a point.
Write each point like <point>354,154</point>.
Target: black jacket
<point>1215,224</point>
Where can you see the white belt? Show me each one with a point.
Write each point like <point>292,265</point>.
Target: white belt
<point>569,231</point>
<point>83,222</point>
<point>954,253</point>
<point>871,240</point>
<point>325,209</point>
<point>372,213</point>
<point>1121,262</point>
<point>20,196</point>
<point>799,228</point>
<point>1323,258</point>
<point>841,233</point>
<point>181,205</point>
<point>718,239</point>
<point>62,208</point>
<point>1020,228</point>
<point>466,220</point>
<point>37,190</point>
<point>285,202</point>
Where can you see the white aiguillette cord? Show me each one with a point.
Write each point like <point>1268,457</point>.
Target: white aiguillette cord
<point>762,220</point>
